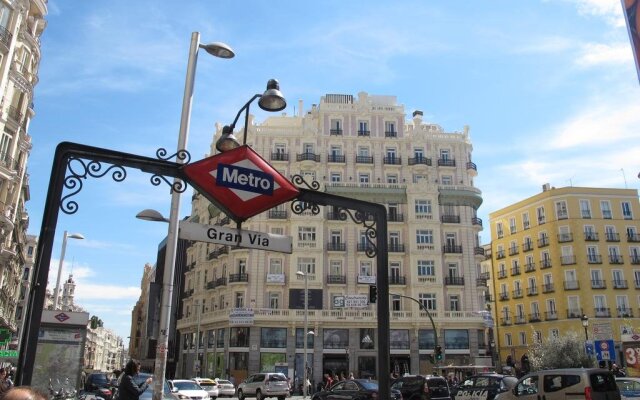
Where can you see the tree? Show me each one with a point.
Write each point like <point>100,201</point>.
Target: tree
<point>566,351</point>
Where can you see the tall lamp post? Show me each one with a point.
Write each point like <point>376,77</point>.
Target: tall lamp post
<point>218,50</point>
<point>64,249</point>
<point>585,324</point>
<point>305,389</point>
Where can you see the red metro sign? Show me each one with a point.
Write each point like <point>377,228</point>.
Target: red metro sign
<point>241,181</point>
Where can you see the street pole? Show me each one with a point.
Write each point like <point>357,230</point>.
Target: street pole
<point>305,337</point>
<point>433,325</point>
<point>197,358</point>
<point>56,291</point>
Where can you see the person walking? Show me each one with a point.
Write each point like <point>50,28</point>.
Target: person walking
<point>5,382</point>
<point>128,389</point>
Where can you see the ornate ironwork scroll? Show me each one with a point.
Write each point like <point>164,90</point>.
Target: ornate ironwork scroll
<point>359,217</point>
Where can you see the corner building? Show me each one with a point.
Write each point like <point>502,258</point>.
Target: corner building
<point>563,254</point>
<point>359,148</point>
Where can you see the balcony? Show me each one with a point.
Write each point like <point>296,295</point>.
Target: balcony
<point>488,298</point>
<point>633,237</point>
<point>598,284</point>
<point>308,157</point>
<point>278,156</point>
<point>234,278</point>
<point>535,317</point>
<point>530,267</point>
<point>548,288</point>
<point>574,313</point>
<point>395,248</point>
<point>15,114</point>
<point>472,166</point>
<point>336,246</point>
<point>562,215</point>
<point>478,251</point>
<point>504,296</point>
<point>527,246</point>
<point>591,236</point>
<point>567,260</point>
<point>517,294</point>
<point>594,258</point>
<point>637,283</point>
<point>515,271</point>
<point>336,158</point>
<point>502,274</point>
<point>586,214</point>
<point>620,284</point>
<point>519,320</point>
<point>395,217</point>
<point>550,315</point>
<point>450,219</point>
<point>336,279</point>
<point>571,285</point>
<point>624,312</point>
<point>392,160</point>
<point>211,285</point>
<point>504,321</point>
<point>543,241</point>
<point>635,259</point>
<point>364,159</point>
<point>419,161</point>
<point>446,162</point>
<point>390,134</point>
<point>221,282</point>
<point>532,291</point>
<point>278,214</point>
<point>364,133</point>
<point>565,237</point>
<point>336,216</point>
<point>476,221</point>
<point>500,254</point>
<point>335,132</point>
<point>365,247</point>
<point>454,280</point>
<point>5,36</point>
<point>545,263</point>
<point>513,250</point>
<point>612,236</point>
<point>452,248</point>
<point>602,312</point>
<point>397,280</point>
<point>481,282</point>
<point>606,214</point>
<point>615,259</point>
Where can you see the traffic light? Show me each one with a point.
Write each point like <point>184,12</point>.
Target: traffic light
<point>438,353</point>
<point>373,294</point>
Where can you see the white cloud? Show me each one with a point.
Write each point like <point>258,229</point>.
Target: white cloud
<point>592,54</point>
<point>90,291</point>
<point>609,10</point>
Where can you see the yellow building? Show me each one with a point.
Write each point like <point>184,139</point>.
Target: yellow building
<point>563,255</point>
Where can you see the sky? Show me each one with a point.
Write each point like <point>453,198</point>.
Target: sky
<point>548,88</point>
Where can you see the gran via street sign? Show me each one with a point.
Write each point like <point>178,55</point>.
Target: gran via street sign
<point>235,237</point>
<point>242,183</point>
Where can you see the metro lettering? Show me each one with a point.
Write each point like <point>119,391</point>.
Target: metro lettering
<point>250,180</point>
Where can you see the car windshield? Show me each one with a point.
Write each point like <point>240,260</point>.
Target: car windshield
<point>277,377</point>
<point>223,382</point>
<point>369,385</point>
<point>206,385</point>
<point>186,386</point>
<point>99,378</point>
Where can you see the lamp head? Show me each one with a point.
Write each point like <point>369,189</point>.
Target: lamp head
<point>585,320</point>
<point>76,236</point>
<point>272,98</point>
<point>151,215</point>
<point>218,49</point>
<point>227,141</point>
<point>300,273</point>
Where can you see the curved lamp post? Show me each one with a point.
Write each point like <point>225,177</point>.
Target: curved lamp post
<point>305,389</point>
<point>64,249</point>
<point>271,100</point>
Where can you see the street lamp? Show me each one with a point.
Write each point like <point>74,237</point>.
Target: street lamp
<point>306,330</point>
<point>271,100</point>
<point>585,324</point>
<point>218,50</point>
<point>64,249</point>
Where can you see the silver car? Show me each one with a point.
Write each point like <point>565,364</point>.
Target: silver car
<point>264,384</point>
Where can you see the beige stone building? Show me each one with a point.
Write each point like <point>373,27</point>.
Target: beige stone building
<point>21,24</point>
<point>360,147</point>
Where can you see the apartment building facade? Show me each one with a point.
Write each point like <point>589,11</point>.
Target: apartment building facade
<point>359,147</point>
<point>563,255</point>
<point>21,24</point>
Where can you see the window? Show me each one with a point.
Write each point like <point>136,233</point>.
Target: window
<point>336,127</point>
<point>392,178</point>
<point>335,150</point>
<point>445,154</point>
<point>423,206</point>
<point>365,268</point>
<point>363,178</point>
<point>390,128</point>
<point>508,340</point>
<point>363,151</point>
<point>336,177</point>
<point>605,207</point>
<point>307,265</point>
<point>428,301</point>
<point>592,255</point>
<point>306,233</point>
<point>561,210</point>
<point>554,332</point>
<point>5,14</point>
<point>447,180</point>
<point>418,153</point>
<point>419,178</point>
<point>525,221</point>
<point>541,215</point>
<point>626,210</point>
<point>335,267</point>
<point>242,266</point>
<point>585,209</point>
<point>274,301</point>
<point>424,236</point>
<point>5,141</point>
<point>454,302</point>
<point>239,301</point>
<point>512,225</point>
<point>363,128</point>
<point>307,148</point>
<point>499,230</point>
<point>426,268</point>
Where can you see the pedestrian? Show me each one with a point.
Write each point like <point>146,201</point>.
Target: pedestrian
<point>351,375</point>
<point>5,382</point>
<point>128,389</point>
<point>24,393</point>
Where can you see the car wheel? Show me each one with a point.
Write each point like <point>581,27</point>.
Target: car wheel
<point>240,395</point>
<point>259,395</point>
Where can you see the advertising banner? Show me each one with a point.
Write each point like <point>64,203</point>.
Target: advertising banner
<point>630,9</point>
<point>631,351</point>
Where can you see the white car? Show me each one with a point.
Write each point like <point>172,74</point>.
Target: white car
<point>209,385</point>
<point>188,388</point>
<point>225,388</point>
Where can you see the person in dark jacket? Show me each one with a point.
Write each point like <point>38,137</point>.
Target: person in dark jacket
<point>127,388</point>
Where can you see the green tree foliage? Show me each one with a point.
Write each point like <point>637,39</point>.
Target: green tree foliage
<point>566,351</point>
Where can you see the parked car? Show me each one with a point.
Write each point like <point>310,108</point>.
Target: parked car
<point>561,384</point>
<point>629,388</point>
<point>188,388</point>
<point>99,383</point>
<point>416,387</point>
<point>484,386</point>
<point>209,385</point>
<point>354,389</point>
<point>264,384</point>
<point>225,388</point>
